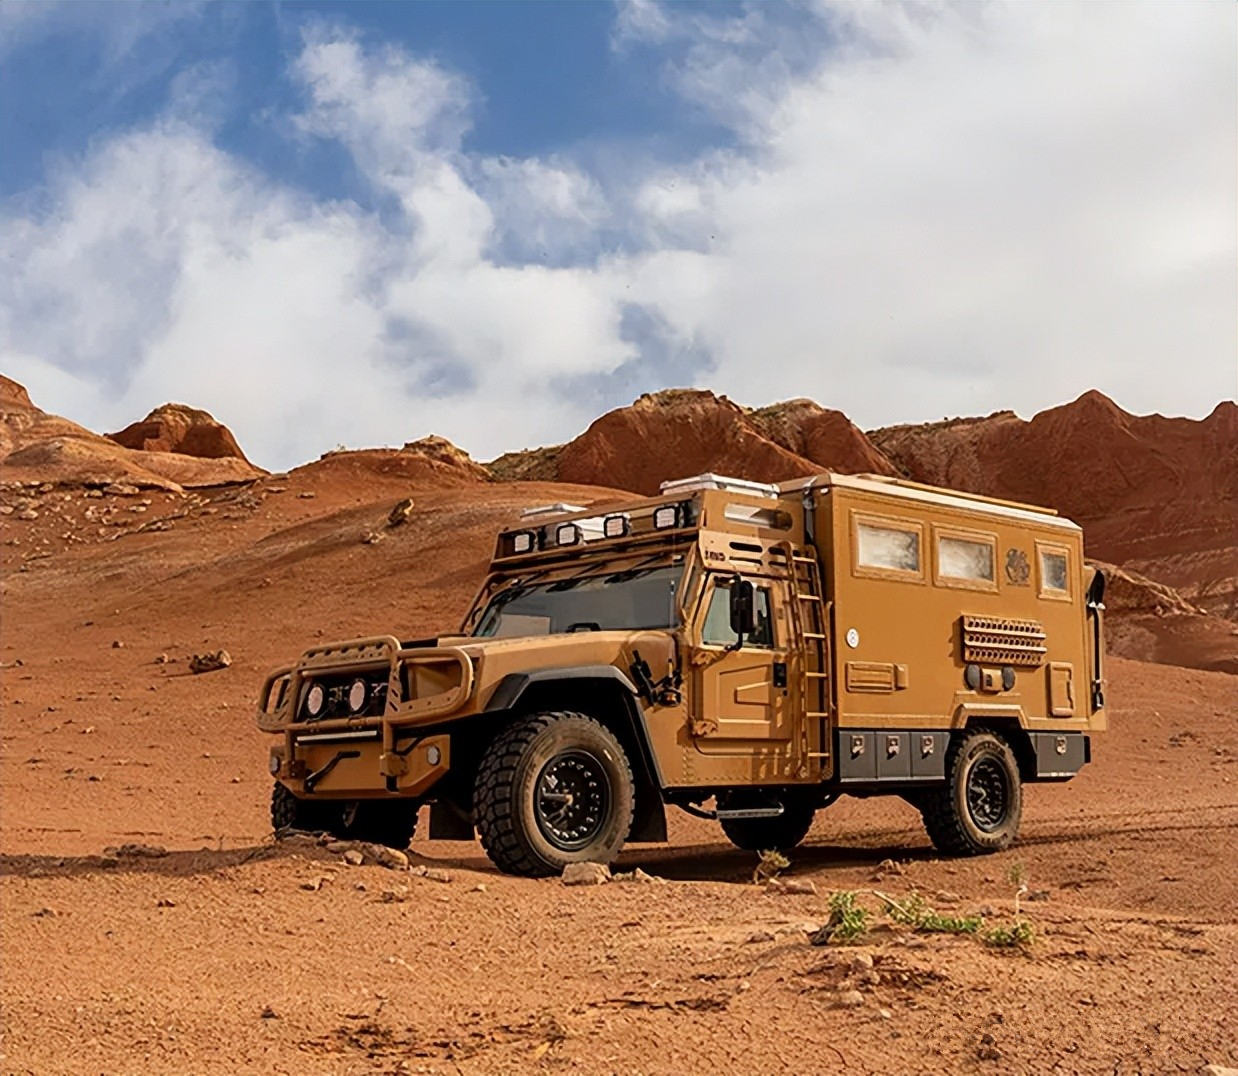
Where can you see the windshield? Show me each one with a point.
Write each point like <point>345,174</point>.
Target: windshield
<point>620,601</point>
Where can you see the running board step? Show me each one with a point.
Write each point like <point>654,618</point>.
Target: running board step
<point>750,812</point>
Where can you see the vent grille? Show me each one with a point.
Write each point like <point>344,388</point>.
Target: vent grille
<point>1003,641</point>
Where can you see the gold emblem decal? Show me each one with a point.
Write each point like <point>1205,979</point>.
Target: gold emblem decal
<point>1017,569</point>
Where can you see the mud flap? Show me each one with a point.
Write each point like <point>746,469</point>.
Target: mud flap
<point>449,823</point>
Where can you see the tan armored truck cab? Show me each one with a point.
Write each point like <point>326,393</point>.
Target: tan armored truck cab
<point>764,648</point>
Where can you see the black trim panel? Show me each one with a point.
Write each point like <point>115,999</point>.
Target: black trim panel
<point>513,685</point>
<point>866,755</point>
<point>1059,755</point>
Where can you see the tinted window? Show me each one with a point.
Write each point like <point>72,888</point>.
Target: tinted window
<point>627,600</point>
<point>717,627</point>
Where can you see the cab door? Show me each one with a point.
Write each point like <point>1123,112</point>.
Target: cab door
<point>740,698</point>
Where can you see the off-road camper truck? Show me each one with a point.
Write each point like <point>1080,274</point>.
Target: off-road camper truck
<point>767,648</point>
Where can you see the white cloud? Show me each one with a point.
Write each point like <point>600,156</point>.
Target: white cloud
<point>954,209</point>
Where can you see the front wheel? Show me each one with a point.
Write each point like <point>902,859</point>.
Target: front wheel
<point>979,808</point>
<point>553,789</point>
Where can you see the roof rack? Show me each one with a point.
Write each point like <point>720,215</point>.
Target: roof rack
<point>544,511</point>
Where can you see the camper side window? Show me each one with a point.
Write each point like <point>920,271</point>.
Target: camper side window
<point>887,549</point>
<point>964,560</point>
<point>1054,573</point>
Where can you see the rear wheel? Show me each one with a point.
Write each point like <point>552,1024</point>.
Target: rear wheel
<point>979,808</point>
<point>771,834</point>
<point>553,789</point>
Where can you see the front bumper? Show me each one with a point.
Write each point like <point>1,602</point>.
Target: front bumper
<point>370,753</point>
<point>335,767</point>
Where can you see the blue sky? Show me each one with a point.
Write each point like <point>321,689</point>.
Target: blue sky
<point>358,223</point>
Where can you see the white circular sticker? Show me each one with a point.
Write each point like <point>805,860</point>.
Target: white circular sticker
<point>853,638</point>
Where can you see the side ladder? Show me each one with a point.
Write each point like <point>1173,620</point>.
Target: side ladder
<point>810,622</point>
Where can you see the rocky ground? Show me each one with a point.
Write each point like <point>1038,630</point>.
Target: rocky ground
<point>232,954</point>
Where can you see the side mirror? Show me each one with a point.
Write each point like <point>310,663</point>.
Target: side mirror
<point>743,615</point>
<point>1096,589</point>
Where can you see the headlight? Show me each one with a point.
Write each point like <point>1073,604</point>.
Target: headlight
<point>315,701</point>
<point>274,764</point>
<point>357,695</point>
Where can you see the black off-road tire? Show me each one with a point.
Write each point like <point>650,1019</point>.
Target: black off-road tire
<point>290,813</point>
<point>779,834</point>
<point>978,809</point>
<point>520,773</point>
<point>389,822</point>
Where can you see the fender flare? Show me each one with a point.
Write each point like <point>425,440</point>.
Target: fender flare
<point>513,685</point>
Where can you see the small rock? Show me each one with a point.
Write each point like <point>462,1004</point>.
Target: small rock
<point>638,876</point>
<point>108,861</point>
<point>307,495</point>
<point>163,902</point>
<point>848,999</point>
<point>1219,1070</point>
<point>391,858</point>
<point>885,1014</point>
<point>859,963</point>
<point>338,848</point>
<point>313,884</point>
<point>210,661</point>
<point>985,910</point>
<point>120,489</point>
<point>944,896</point>
<point>353,857</point>
<point>269,1014</point>
<point>480,887</point>
<point>433,874</point>
<point>373,538</point>
<point>400,513</point>
<point>117,644</point>
<point>759,937</point>
<point>44,913</point>
<point>791,887</point>
<point>1038,894</point>
<point>28,515</point>
<point>586,874</point>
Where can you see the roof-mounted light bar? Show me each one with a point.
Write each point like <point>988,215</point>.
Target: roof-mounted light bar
<point>617,526</point>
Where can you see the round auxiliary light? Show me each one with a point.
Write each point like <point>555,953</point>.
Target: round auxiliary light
<point>567,534</point>
<point>433,755</point>
<point>358,692</point>
<point>316,701</point>
<point>274,764</point>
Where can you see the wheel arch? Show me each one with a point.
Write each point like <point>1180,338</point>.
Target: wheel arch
<point>1014,734</point>
<point>608,696</point>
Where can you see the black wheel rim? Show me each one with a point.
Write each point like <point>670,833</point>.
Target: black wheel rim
<point>988,794</point>
<point>572,800</point>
